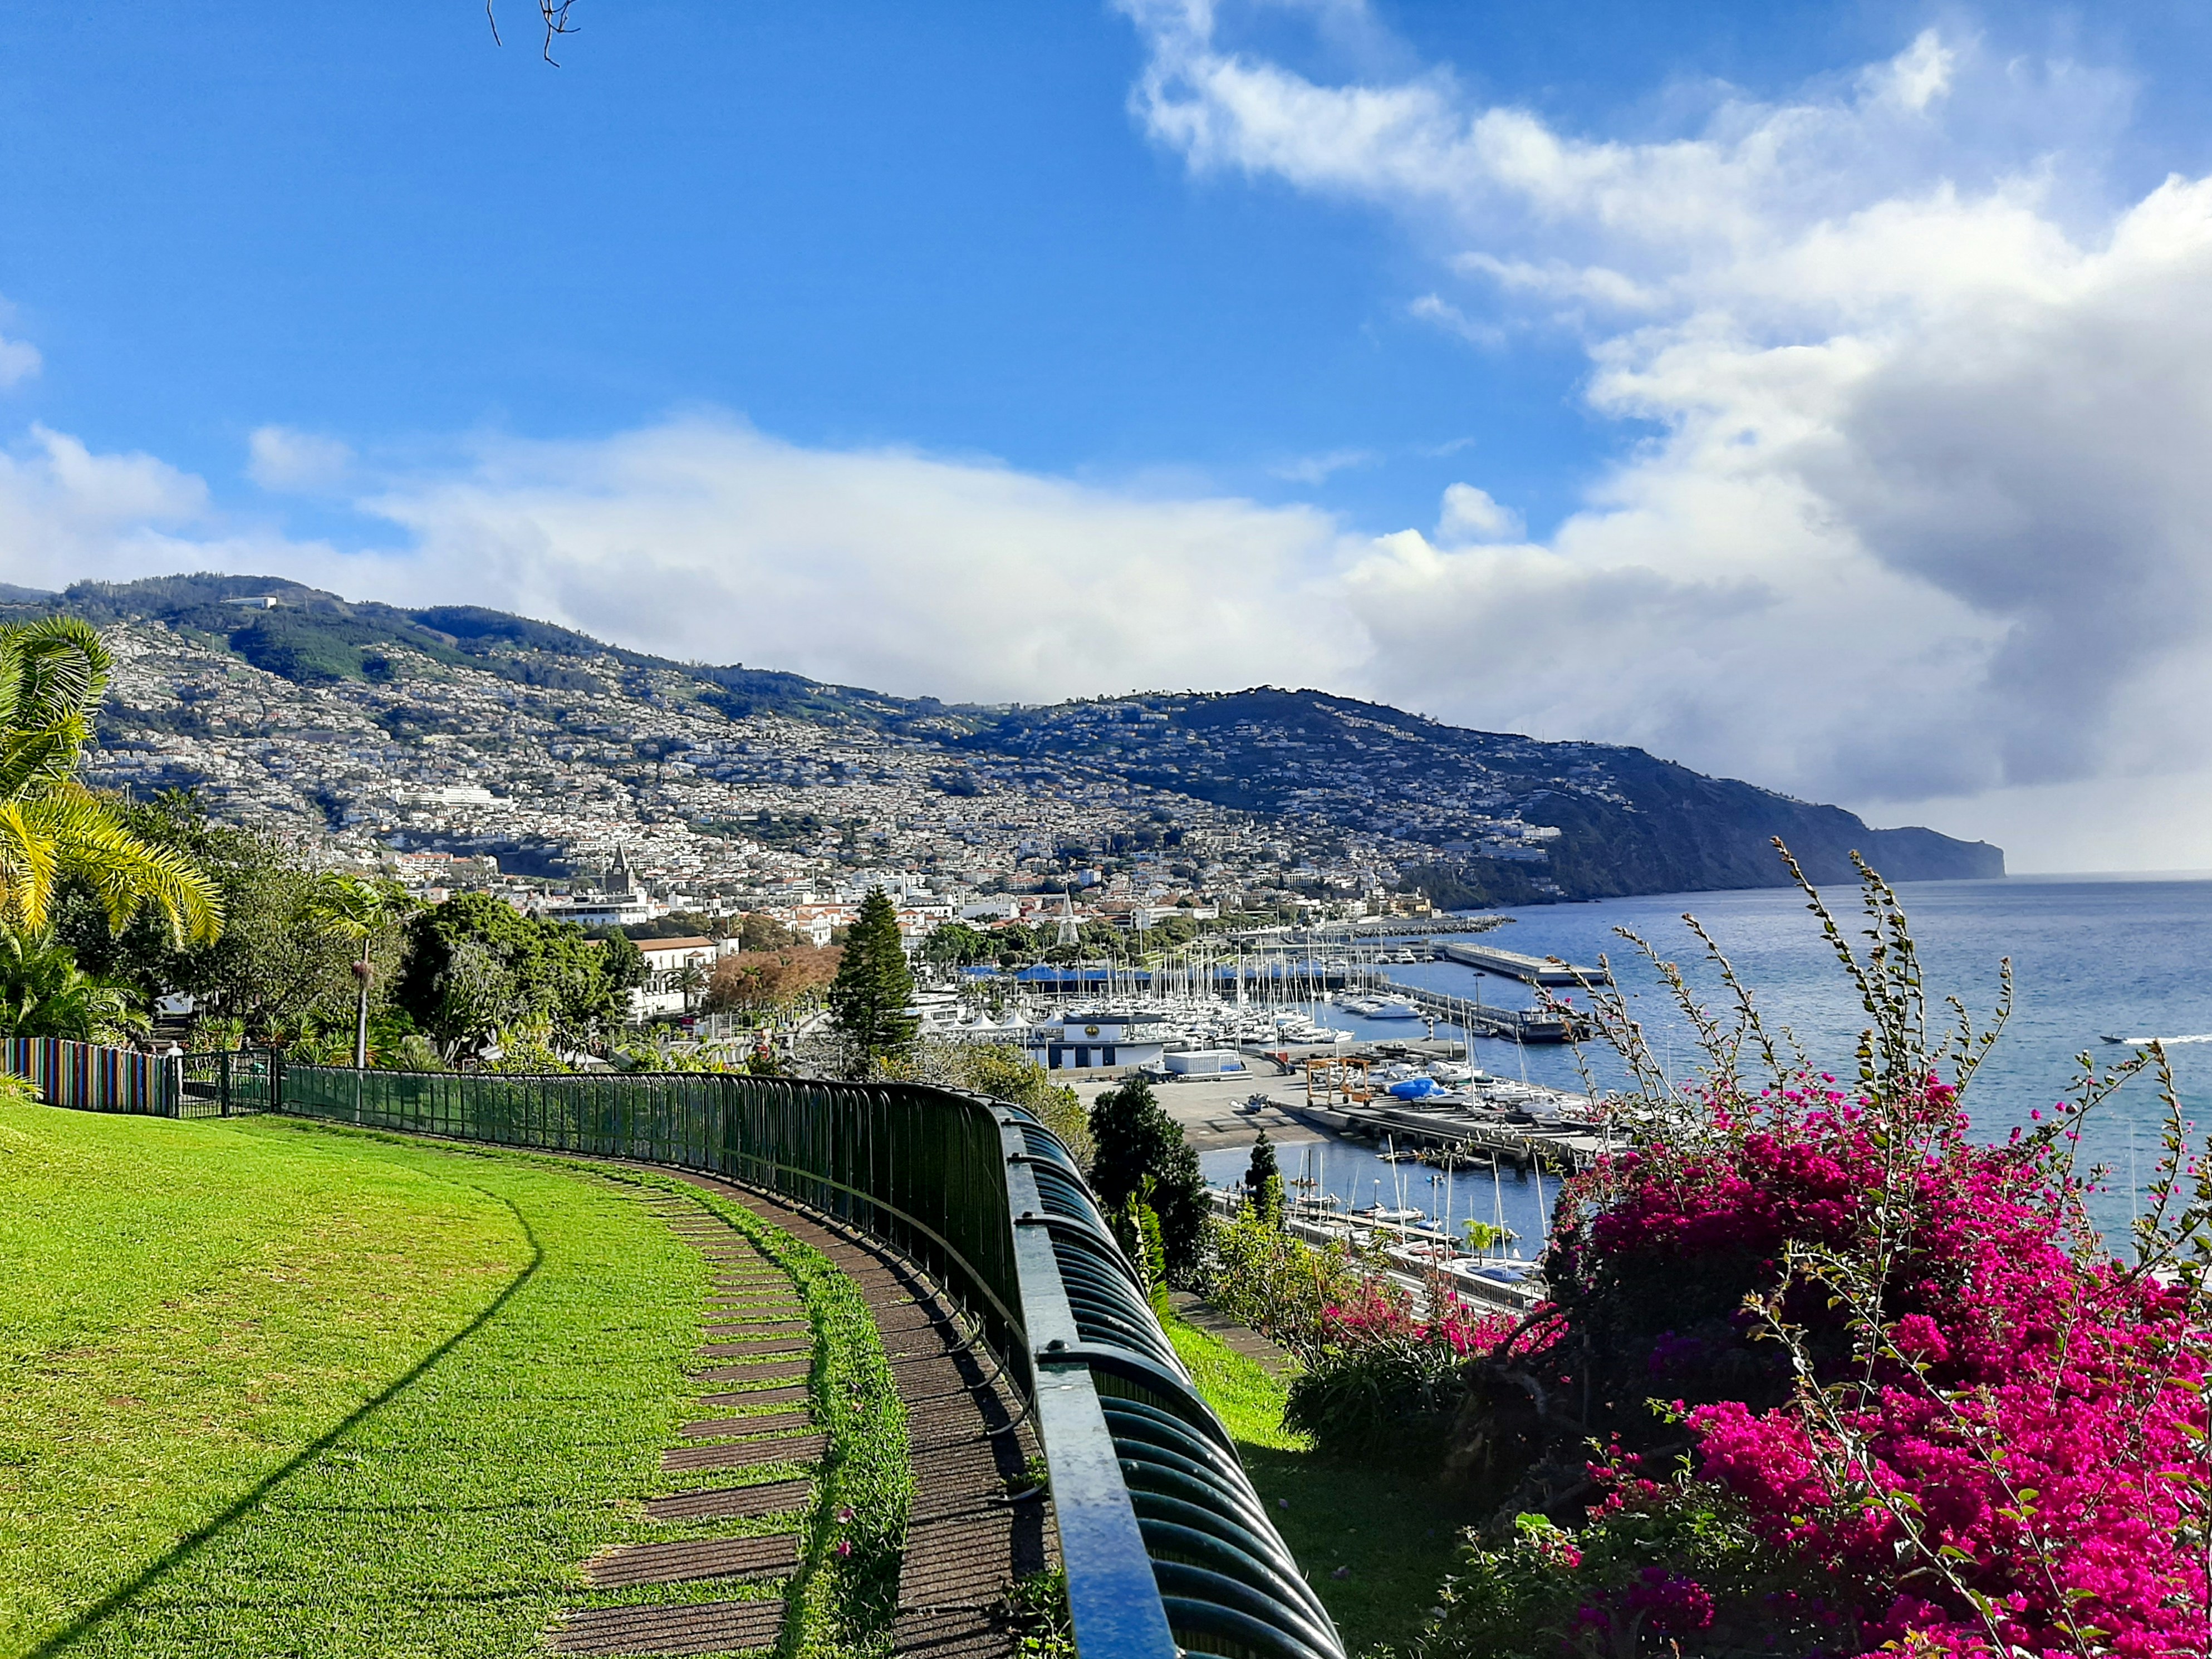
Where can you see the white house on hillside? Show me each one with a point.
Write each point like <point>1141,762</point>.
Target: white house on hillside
<point>665,961</point>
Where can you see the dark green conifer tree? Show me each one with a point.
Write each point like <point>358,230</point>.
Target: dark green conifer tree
<point>1263,1182</point>
<point>1136,1139</point>
<point>869,999</point>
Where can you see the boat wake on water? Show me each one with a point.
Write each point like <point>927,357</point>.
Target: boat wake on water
<point>2167,1042</point>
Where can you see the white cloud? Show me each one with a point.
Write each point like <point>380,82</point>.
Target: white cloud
<point>1470,515</point>
<point>1926,515</point>
<point>1317,469</point>
<point>67,514</point>
<point>703,539</point>
<point>279,459</point>
<point>18,361</point>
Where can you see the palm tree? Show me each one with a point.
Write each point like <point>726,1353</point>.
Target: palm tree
<point>43,993</point>
<point>54,673</point>
<point>690,979</point>
<point>347,906</point>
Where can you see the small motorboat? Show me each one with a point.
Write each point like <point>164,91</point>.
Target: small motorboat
<point>1415,1088</point>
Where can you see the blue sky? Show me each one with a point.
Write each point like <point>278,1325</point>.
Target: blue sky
<point>1021,350</point>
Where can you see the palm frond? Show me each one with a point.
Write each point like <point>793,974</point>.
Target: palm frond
<point>51,671</point>
<point>36,760</point>
<point>28,866</point>
<point>123,873</point>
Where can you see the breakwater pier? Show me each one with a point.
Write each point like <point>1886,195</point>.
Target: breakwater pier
<point>1478,1018</point>
<point>1513,964</point>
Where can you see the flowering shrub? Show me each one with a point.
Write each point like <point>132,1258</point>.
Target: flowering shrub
<point>1384,1383</point>
<point>1898,1394</point>
<point>1259,1276</point>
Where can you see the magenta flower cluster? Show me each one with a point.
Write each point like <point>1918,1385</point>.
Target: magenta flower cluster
<point>1992,1437</point>
<point>1381,1312</point>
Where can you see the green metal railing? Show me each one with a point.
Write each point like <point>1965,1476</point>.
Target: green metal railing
<point>1167,1548</point>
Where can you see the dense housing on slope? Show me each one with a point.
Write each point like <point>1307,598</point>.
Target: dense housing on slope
<point>468,729</point>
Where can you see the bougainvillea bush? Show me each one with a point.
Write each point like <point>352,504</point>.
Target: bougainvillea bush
<point>1383,1384</point>
<point>1823,1376</point>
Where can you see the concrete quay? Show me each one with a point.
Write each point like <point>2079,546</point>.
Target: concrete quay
<point>1513,964</point>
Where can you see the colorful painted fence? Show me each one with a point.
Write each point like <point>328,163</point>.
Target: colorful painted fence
<point>90,1076</point>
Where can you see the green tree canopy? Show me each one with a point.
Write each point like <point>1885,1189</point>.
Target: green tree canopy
<point>273,969</point>
<point>1135,1139</point>
<point>476,965</point>
<point>956,944</point>
<point>869,999</point>
<point>624,965</point>
<point>759,933</point>
<point>54,673</point>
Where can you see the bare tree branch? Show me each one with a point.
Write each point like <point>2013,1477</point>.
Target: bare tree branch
<point>554,14</point>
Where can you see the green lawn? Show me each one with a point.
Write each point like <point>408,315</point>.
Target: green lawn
<point>274,1389</point>
<point>1394,1532</point>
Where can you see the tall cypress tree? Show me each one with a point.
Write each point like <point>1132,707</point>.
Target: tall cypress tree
<point>1263,1182</point>
<point>869,998</point>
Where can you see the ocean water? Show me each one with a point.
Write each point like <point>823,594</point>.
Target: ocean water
<point>2090,956</point>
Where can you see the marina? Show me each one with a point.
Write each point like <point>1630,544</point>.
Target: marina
<point>1416,1216</point>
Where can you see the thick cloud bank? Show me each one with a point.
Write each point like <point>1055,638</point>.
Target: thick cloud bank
<point>1927,514</point>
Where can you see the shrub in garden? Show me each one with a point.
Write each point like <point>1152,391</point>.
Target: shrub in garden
<point>1261,1277</point>
<point>1861,1382</point>
<point>1382,1384</point>
<point>1263,1182</point>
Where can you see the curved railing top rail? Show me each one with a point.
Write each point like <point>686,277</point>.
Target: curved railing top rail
<point>1167,1547</point>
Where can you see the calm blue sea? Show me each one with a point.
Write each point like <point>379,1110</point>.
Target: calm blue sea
<point>2089,955</point>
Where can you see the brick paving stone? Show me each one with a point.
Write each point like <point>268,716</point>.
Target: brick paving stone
<point>698,1627</point>
<point>784,1345</point>
<point>921,1374</point>
<point>759,1370</point>
<point>721,1428</point>
<point>731,1503</point>
<point>1008,1532</point>
<point>699,1558</point>
<point>731,1329</point>
<point>958,1633</point>
<point>735,1399</point>
<point>917,1333</point>
<point>745,1453</point>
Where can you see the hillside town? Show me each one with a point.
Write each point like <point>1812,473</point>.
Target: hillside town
<point>618,810</point>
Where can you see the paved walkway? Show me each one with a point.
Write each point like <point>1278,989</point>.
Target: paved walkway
<point>977,1525</point>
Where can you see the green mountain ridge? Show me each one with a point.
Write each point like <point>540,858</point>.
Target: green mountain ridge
<point>1475,818</point>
